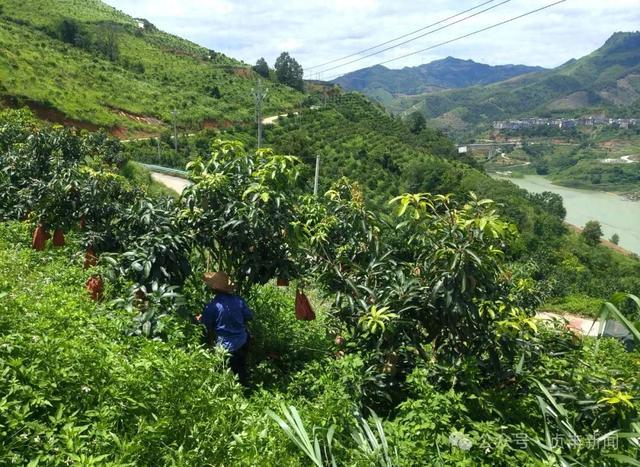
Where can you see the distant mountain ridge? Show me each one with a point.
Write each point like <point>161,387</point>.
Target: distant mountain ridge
<point>448,73</point>
<point>607,80</point>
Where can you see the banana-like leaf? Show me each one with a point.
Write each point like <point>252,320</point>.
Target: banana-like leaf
<point>608,309</point>
<point>295,430</point>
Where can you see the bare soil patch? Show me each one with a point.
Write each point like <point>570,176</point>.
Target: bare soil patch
<point>144,119</point>
<point>217,124</point>
<point>47,112</point>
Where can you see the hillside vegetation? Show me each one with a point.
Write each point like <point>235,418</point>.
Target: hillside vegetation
<point>428,352</point>
<point>88,64</point>
<point>357,139</point>
<point>607,79</point>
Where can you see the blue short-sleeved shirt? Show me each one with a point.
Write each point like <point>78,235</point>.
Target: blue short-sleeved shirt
<point>227,315</point>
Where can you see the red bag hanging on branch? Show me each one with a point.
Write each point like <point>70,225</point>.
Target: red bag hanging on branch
<point>58,237</point>
<point>40,237</point>
<point>90,258</point>
<point>95,286</point>
<point>304,312</point>
<point>282,282</point>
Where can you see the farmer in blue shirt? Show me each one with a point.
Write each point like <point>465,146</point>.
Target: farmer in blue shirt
<point>225,318</point>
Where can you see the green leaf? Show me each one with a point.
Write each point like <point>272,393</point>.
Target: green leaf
<point>609,308</point>
<point>624,459</point>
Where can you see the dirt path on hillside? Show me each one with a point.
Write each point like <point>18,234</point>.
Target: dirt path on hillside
<point>120,132</point>
<point>585,326</point>
<point>272,120</point>
<point>176,184</point>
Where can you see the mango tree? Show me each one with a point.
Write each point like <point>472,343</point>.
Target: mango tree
<point>240,211</point>
<point>104,198</point>
<point>427,285</point>
<point>454,253</point>
<point>40,173</point>
<point>153,249</point>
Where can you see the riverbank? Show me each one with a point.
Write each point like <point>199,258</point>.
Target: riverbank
<point>603,242</point>
<point>629,192</point>
<point>616,214</point>
<point>626,191</point>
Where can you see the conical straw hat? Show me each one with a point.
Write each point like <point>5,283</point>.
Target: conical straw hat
<point>218,281</point>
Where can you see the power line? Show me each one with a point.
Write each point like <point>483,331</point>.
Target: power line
<point>537,10</point>
<point>417,37</point>
<point>470,34</point>
<point>399,37</point>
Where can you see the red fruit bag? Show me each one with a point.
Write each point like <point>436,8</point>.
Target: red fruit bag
<point>58,237</point>
<point>282,282</point>
<point>304,312</point>
<point>95,286</point>
<point>39,238</point>
<point>90,258</point>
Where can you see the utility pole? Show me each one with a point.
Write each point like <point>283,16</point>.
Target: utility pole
<point>317,179</point>
<point>175,130</point>
<point>158,141</point>
<point>259,94</point>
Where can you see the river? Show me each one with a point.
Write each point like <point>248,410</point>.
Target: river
<point>615,214</point>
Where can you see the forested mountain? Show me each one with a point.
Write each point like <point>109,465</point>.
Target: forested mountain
<point>435,76</point>
<point>605,80</point>
<point>87,63</point>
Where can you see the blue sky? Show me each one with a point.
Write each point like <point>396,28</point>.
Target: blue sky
<point>316,31</point>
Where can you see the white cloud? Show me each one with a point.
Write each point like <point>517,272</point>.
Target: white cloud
<point>317,31</point>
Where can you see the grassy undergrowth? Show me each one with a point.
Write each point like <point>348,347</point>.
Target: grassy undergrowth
<point>77,387</point>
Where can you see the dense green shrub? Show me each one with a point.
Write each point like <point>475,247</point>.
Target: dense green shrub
<point>436,328</point>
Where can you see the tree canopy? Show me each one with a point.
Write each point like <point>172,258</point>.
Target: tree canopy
<point>592,232</point>
<point>417,122</point>
<point>262,68</point>
<point>289,71</point>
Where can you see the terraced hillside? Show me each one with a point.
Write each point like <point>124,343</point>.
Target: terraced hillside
<point>360,140</point>
<point>86,63</point>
